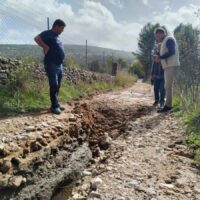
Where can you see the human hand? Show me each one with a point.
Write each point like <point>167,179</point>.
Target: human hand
<point>45,49</point>
<point>158,47</point>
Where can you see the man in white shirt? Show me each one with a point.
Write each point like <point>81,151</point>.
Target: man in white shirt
<point>169,56</point>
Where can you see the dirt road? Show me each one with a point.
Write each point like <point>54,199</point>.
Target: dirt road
<point>128,151</point>
<point>149,160</point>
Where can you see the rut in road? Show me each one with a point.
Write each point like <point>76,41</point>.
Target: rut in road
<point>136,152</point>
<point>149,160</point>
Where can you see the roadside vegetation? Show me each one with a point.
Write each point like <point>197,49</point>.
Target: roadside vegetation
<point>188,84</point>
<point>25,92</point>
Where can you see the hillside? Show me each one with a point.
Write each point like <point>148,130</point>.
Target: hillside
<point>76,51</point>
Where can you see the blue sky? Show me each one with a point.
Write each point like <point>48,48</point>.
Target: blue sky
<point>107,23</point>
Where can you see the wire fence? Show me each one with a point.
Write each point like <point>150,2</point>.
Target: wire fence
<point>20,23</point>
<point>188,79</point>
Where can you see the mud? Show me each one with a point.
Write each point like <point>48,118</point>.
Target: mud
<point>39,155</point>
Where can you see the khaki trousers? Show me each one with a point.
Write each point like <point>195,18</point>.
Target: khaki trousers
<point>169,74</point>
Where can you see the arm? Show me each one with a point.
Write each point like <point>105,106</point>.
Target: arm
<point>40,43</point>
<point>171,49</point>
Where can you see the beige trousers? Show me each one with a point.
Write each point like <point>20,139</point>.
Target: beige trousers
<point>169,79</point>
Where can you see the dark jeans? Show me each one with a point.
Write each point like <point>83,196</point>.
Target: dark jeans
<point>54,73</point>
<point>159,90</point>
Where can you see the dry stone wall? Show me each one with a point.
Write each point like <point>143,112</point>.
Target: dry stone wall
<point>73,75</point>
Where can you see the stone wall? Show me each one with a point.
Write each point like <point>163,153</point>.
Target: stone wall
<point>8,66</point>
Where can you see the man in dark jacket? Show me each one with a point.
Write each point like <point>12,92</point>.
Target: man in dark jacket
<point>157,76</point>
<point>54,56</point>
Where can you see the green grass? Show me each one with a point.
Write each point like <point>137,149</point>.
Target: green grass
<point>124,79</point>
<point>193,141</point>
<point>177,106</point>
<point>31,98</point>
<point>24,94</point>
<point>191,120</point>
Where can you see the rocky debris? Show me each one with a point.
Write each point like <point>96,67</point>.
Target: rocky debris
<point>98,120</point>
<point>105,141</point>
<point>87,173</point>
<point>5,166</point>
<point>196,190</point>
<point>15,161</point>
<point>72,118</point>
<point>30,128</point>
<point>166,186</point>
<point>95,183</point>
<point>35,146</point>
<point>3,151</point>
<point>150,169</point>
<point>131,145</point>
<point>95,194</point>
<point>131,183</point>
<point>16,181</point>
<point>4,181</point>
<point>40,146</point>
<point>158,174</point>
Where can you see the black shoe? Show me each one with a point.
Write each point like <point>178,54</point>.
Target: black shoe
<point>62,108</point>
<point>56,110</point>
<point>164,109</point>
<point>155,103</point>
<point>162,104</point>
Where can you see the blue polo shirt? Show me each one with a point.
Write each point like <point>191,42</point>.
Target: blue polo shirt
<point>56,53</point>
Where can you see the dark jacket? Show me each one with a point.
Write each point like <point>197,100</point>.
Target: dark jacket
<point>157,71</point>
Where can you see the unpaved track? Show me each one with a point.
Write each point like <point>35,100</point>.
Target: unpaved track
<point>154,164</point>
<point>147,159</point>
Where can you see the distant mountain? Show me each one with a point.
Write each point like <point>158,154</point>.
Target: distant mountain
<point>78,52</point>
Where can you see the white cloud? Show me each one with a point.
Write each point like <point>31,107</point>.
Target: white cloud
<point>93,21</point>
<point>117,3</point>
<point>14,36</point>
<point>145,2</point>
<point>35,12</point>
<point>171,19</point>
<point>96,23</point>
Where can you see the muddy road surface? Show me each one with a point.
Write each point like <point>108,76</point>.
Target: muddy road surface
<point>108,146</point>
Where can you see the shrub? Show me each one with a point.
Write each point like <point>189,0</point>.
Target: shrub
<point>137,69</point>
<point>124,79</point>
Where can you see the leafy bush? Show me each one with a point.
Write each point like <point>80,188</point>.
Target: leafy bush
<point>137,69</point>
<point>192,121</point>
<point>71,63</point>
<point>124,79</point>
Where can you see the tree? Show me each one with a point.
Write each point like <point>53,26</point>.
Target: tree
<point>122,63</point>
<point>189,73</point>
<point>146,43</point>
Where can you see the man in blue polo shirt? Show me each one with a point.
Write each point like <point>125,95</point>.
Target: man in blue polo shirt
<point>54,55</point>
